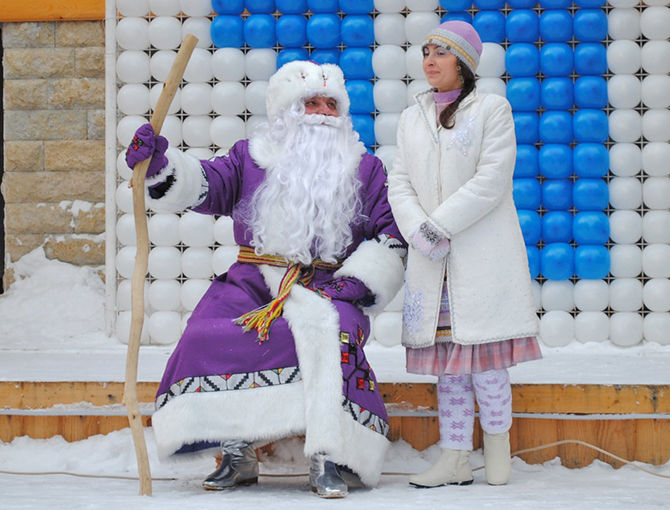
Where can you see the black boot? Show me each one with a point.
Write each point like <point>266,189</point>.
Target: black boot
<point>239,466</point>
<point>325,478</point>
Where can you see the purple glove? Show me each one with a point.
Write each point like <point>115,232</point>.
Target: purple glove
<point>144,145</point>
<point>430,242</point>
<point>346,288</point>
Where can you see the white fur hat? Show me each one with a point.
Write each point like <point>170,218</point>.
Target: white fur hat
<point>301,79</point>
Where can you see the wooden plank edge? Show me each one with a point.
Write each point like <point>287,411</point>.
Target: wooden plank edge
<point>14,11</point>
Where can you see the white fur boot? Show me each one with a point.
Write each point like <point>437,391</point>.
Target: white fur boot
<point>497,461</point>
<point>452,468</point>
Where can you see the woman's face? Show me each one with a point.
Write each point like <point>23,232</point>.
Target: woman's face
<point>440,68</point>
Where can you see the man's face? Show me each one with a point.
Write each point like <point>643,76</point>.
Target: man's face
<point>321,105</point>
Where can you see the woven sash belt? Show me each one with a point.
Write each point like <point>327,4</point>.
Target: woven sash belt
<point>261,318</point>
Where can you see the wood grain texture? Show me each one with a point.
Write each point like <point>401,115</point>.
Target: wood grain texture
<point>52,10</point>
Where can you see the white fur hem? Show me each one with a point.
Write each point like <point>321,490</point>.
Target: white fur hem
<point>187,186</point>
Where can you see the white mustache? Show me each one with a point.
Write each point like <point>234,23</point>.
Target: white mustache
<point>326,120</point>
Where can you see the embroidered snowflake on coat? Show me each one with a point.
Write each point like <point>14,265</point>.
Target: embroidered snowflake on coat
<point>462,136</point>
<point>412,311</point>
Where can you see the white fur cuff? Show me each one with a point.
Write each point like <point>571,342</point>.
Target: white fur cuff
<point>188,186</point>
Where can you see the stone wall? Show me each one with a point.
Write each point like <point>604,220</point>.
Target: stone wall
<point>54,130</point>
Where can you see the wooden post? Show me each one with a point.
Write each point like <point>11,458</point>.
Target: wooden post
<point>141,264</point>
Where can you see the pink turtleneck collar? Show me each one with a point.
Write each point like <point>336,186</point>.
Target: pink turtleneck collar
<point>444,98</point>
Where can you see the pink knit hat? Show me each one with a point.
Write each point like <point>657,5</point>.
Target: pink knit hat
<point>460,38</point>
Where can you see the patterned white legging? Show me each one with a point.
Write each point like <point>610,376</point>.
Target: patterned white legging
<point>456,403</point>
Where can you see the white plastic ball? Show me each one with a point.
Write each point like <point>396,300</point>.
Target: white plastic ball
<point>626,329</point>
<point>623,3</point>
<point>492,61</point>
<point>196,262</point>
<point>656,2</point>
<point>656,295</point>
<point>623,56</point>
<point>125,261</point>
<point>196,229</point>
<point>123,320</point>
<point>592,327</point>
<point>536,288</point>
<point>199,27</point>
<point>626,294</point>
<point>253,122</point>
<point>132,33</point>
<point>656,327</point>
<point>625,227</point>
<point>625,192</point>
<point>655,91</point>
<point>656,124</point>
<point>625,159</point>
<point>656,192</point>
<point>228,64</point>
<point>164,229</point>
<point>224,257</point>
<point>418,24</point>
<point>388,62</point>
<point>184,320</point>
<point>196,98</point>
<point>260,64</point>
<point>655,57</point>
<point>421,5</point>
<point>388,328</point>
<point>254,97</point>
<point>125,230</point>
<point>389,5</point>
<point>625,125</point>
<point>655,23</point>
<point>625,260</point>
<point>121,166</point>
<point>558,295</point>
<point>390,95</point>
<point>132,7</point>
<point>165,262</point>
<point>591,295</point>
<point>414,62</point>
<point>199,67</point>
<point>396,304</point>
<point>161,63</point>
<point>227,130</point>
<point>132,66</point>
<point>154,95</point>
<point>557,328</point>
<point>164,295</point>
<point>390,29</point>
<point>196,7</point>
<point>125,129</point>
<point>656,260</point>
<point>191,293</point>
<point>223,231</point>
<point>623,24</point>
<point>492,86</point>
<point>165,33</point>
<point>123,295</point>
<point>133,99</point>
<point>165,7</point>
<point>164,327</point>
<point>656,227</point>
<point>196,130</point>
<point>655,157</point>
<point>172,130</point>
<point>228,98</point>
<point>624,91</point>
<point>414,88</point>
<point>386,127</point>
<point>124,197</point>
<point>200,152</point>
<point>387,154</point>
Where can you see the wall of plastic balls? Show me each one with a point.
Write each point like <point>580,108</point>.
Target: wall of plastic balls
<point>589,86</point>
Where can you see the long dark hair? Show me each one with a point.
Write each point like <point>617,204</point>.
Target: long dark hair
<point>446,116</point>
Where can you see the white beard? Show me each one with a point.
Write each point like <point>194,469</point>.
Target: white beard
<point>309,199</point>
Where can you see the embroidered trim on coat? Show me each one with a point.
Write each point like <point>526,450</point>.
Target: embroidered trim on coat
<point>412,311</point>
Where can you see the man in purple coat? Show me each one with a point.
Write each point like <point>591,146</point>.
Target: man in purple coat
<point>275,346</point>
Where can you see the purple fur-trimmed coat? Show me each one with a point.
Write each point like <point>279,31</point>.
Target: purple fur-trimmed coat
<point>311,376</point>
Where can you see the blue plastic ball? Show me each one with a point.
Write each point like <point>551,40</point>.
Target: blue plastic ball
<point>526,193</point>
<point>490,26</point>
<point>522,4</point>
<point>591,227</point>
<point>522,26</point>
<point>291,6</point>
<point>590,3</point>
<point>591,92</point>
<point>531,226</point>
<point>260,6</point>
<point>357,31</point>
<point>522,59</point>
<point>318,6</point>
<point>526,164</point>
<point>590,195</point>
<point>555,161</point>
<point>556,127</point>
<point>457,16</point>
<point>227,31</point>
<point>555,4</point>
<point>356,64</point>
<point>592,262</point>
<point>591,126</point>
<point>591,160</point>
<point>456,5</point>
<point>556,59</point>
<point>526,127</point>
<point>557,227</point>
<point>590,25</point>
<point>326,56</point>
<point>557,261</point>
<point>291,54</point>
<point>524,94</point>
<point>259,31</point>
<point>357,6</point>
<point>557,94</point>
<point>292,30</point>
<point>365,126</point>
<point>556,26</point>
<point>484,5</point>
<point>228,6</point>
<point>557,194</point>
<point>361,96</point>
<point>533,254</point>
<point>323,30</point>
<point>590,59</point>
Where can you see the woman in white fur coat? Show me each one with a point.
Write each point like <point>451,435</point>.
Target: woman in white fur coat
<point>469,312</point>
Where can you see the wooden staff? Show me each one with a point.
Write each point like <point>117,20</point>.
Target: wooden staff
<point>141,264</point>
